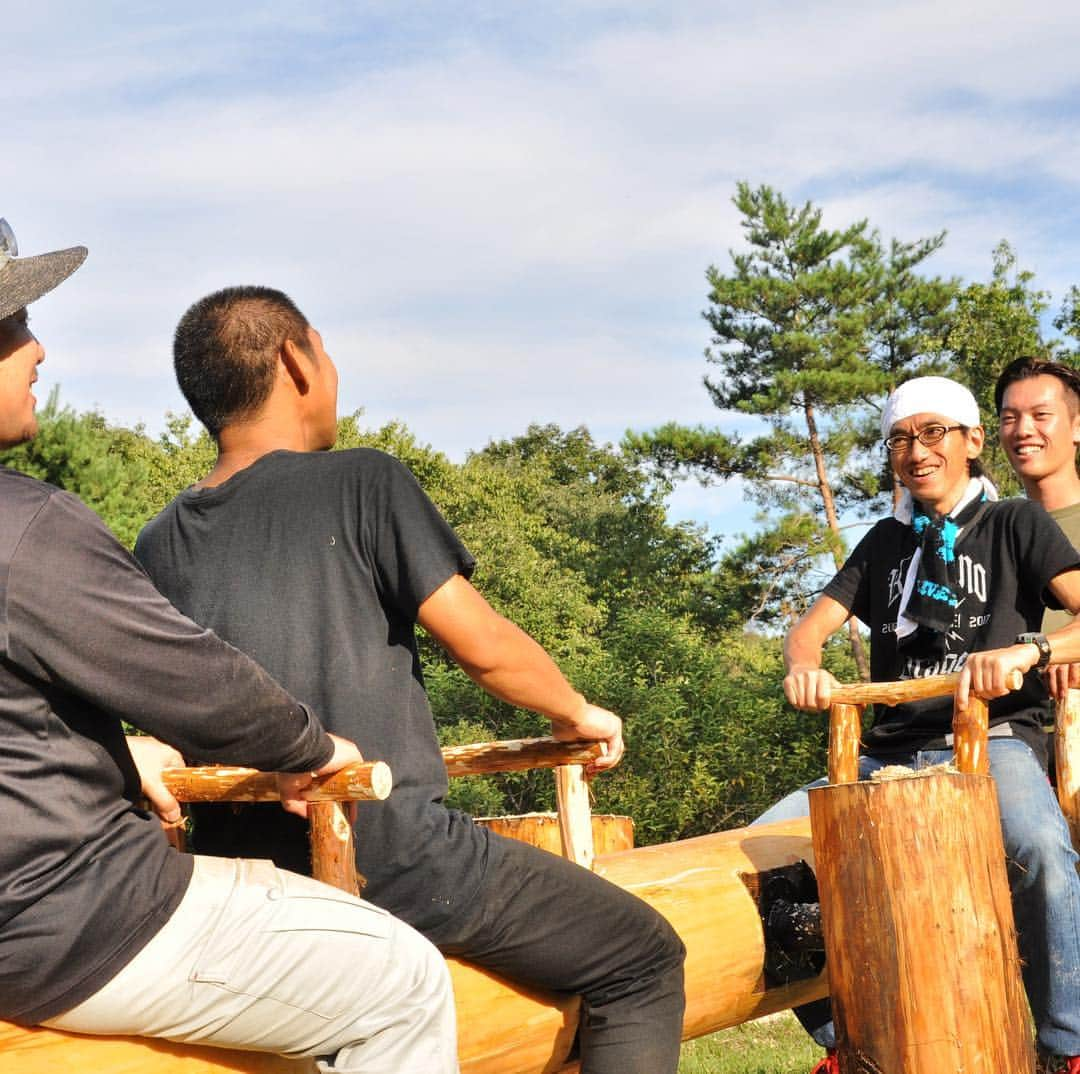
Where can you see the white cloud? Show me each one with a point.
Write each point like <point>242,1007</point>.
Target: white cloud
<point>503,215</point>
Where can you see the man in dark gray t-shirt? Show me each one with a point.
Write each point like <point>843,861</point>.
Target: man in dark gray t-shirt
<point>104,928</point>
<point>321,564</point>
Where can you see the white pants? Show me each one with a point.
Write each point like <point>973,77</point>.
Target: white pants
<point>262,959</point>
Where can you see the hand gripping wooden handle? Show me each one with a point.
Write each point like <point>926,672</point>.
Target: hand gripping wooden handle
<point>970,725</point>
<point>895,693</point>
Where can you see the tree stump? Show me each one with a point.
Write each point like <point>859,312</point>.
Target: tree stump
<point>920,944</point>
<point>611,832</point>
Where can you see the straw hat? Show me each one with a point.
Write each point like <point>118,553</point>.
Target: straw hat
<point>25,279</point>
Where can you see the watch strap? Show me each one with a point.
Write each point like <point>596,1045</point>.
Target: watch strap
<point>1040,642</point>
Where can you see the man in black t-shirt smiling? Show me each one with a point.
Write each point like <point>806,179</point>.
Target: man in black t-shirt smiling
<point>956,581</point>
<point>321,564</point>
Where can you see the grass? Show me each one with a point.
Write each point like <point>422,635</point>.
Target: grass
<point>772,1046</point>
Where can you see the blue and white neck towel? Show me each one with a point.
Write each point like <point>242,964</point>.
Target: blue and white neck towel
<point>930,596</point>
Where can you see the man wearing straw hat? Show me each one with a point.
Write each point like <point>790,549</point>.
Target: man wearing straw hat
<point>104,928</point>
<point>958,581</point>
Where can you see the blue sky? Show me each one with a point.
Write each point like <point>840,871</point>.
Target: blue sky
<point>500,213</point>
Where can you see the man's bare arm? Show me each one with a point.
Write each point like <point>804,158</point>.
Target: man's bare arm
<point>499,656</point>
<point>806,685</point>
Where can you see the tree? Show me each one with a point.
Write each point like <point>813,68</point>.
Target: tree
<point>811,328</point>
<point>573,542</point>
<point>103,465</point>
<point>994,323</point>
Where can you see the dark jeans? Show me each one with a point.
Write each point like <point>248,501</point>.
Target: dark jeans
<point>545,921</point>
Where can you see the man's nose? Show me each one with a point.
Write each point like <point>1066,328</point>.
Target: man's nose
<point>1025,424</point>
<point>918,449</point>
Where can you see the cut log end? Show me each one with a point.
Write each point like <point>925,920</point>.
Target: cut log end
<point>382,781</point>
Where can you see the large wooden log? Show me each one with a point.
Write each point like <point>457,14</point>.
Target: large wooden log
<point>706,887</point>
<point>47,1051</point>
<point>1067,761</point>
<point>923,967</point>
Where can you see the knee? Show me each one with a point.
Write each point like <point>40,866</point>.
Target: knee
<point>1043,858</point>
<point>795,805</point>
<point>666,951</point>
<point>428,973</point>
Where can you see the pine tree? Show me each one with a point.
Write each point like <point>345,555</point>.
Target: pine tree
<point>811,328</point>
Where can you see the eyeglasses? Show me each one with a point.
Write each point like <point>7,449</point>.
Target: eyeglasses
<point>9,248</point>
<point>899,443</point>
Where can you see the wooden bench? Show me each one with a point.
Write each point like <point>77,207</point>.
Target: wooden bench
<point>705,887</point>
<point>709,888</point>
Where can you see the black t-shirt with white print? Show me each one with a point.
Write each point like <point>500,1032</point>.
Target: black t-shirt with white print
<point>1005,560</point>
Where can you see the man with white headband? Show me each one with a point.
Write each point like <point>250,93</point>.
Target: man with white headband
<point>956,580</point>
<point>104,927</point>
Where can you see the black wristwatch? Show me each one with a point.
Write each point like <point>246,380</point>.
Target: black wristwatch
<point>1040,643</point>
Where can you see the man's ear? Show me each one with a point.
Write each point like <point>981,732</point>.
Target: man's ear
<point>297,365</point>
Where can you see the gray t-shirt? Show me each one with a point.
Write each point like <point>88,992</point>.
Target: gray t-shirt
<point>1068,518</point>
<point>86,877</point>
<point>316,565</point>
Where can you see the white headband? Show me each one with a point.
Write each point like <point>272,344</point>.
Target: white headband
<point>930,395</point>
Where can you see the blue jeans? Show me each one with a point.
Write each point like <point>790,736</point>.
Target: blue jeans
<point>1042,868</point>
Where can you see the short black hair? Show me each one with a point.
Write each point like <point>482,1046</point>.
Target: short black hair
<point>226,347</point>
<point>1027,366</point>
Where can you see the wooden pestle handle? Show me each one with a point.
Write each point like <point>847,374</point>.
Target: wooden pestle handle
<point>895,693</point>
<point>365,781</point>
<point>516,755</point>
<point>372,780</point>
<point>970,725</point>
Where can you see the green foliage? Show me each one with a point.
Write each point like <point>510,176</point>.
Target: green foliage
<point>711,741</point>
<point>769,576</point>
<point>770,1046</point>
<point>994,323</point>
<point>100,463</point>
<point>177,459</point>
<point>573,543</point>
<point>811,327</point>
